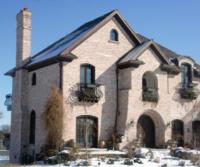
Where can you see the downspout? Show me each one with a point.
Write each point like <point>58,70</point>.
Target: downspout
<point>61,76</point>
<point>117,100</point>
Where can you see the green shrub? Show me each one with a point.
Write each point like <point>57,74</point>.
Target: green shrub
<point>128,162</point>
<point>27,159</point>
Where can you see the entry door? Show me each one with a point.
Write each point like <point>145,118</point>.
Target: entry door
<point>146,131</point>
<point>86,131</point>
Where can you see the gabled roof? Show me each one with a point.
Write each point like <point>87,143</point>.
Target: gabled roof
<point>136,52</point>
<point>61,48</point>
<point>67,41</point>
<point>169,54</point>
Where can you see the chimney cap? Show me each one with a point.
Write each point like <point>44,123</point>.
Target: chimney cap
<point>24,9</point>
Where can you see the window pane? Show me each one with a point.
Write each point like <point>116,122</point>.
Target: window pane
<point>114,35</point>
<point>185,75</point>
<point>89,75</point>
<point>82,75</point>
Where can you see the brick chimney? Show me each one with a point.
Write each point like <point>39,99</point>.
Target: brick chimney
<point>20,115</point>
<point>23,35</point>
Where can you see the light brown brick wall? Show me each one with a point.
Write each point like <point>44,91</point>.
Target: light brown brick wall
<point>169,107</point>
<point>100,52</point>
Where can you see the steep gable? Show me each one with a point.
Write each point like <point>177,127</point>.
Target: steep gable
<point>60,50</point>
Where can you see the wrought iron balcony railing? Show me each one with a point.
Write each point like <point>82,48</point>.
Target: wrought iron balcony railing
<point>189,91</point>
<point>150,94</point>
<point>8,102</point>
<point>89,93</point>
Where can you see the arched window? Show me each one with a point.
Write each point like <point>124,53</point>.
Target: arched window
<point>32,127</point>
<point>87,74</point>
<point>34,78</point>
<point>186,75</point>
<point>150,87</point>
<point>114,35</point>
<point>149,81</point>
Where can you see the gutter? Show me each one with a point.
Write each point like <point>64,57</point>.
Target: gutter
<point>61,75</point>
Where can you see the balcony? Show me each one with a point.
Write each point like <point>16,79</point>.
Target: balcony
<point>189,92</point>
<point>8,102</point>
<point>89,93</point>
<point>150,94</point>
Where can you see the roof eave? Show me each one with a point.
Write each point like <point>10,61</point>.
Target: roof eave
<point>70,57</point>
<point>130,63</point>
<point>59,58</point>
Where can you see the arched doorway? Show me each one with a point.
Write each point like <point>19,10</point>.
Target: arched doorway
<point>178,132</point>
<point>87,131</point>
<point>196,134</point>
<point>146,131</point>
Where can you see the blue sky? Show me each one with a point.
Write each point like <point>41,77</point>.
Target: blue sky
<point>173,23</point>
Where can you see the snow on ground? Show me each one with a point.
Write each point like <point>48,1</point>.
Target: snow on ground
<point>4,157</point>
<point>165,161</point>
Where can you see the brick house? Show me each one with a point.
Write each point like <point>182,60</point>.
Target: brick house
<point>112,79</point>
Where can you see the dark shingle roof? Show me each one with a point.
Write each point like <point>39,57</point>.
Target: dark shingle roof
<point>167,52</point>
<point>134,53</point>
<point>56,48</point>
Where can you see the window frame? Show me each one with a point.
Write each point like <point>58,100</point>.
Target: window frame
<point>187,75</point>
<point>84,79</point>
<point>146,83</point>
<point>114,35</point>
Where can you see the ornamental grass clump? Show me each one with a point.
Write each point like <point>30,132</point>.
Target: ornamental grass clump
<point>54,119</point>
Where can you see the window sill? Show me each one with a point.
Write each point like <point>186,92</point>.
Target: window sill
<point>115,42</point>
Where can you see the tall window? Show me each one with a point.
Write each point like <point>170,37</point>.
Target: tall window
<point>178,131</point>
<point>32,127</point>
<point>87,74</point>
<point>34,78</point>
<point>150,87</point>
<point>86,131</point>
<point>149,81</point>
<point>114,35</point>
<point>186,75</point>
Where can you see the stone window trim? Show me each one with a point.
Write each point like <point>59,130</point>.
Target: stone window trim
<point>114,42</point>
<point>87,74</point>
